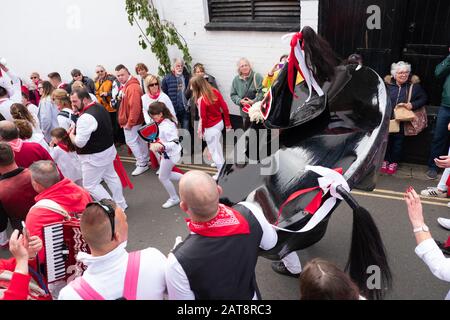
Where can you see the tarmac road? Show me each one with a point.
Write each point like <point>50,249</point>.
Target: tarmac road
<point>150,225</point>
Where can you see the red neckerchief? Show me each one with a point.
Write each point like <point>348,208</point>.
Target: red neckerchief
<point>154,97</point>
<point>87,107</point>
<point>227,222</point>
<point>63,146</point>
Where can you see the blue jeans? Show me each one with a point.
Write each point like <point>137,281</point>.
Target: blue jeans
<point>440,138</point>
<point>183,119</point>
<point>395,146</point>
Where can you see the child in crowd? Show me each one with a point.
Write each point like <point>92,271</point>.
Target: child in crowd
<point>169,147</point>
<point>64,155</point>
<point>213,113</point>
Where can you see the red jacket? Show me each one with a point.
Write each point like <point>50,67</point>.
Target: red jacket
<point>18,287</point>
<point>130,111</point>
<point>211,113</point>
<point>68,195</point>
<point>16,193</point>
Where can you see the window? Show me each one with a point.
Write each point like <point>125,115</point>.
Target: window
<point>254,15</point>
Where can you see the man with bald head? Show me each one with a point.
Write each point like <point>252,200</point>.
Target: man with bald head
<point>104,227</point>
<point>217,260</point>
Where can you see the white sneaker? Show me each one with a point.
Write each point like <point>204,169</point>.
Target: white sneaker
<point>157,172</point>
<point>445,223</point>
<point>139,170</point>
<point>170,203</point>
<point>4,240</point>
<point>213,165</point>
<point>433,192</point>
<point>216,176</point>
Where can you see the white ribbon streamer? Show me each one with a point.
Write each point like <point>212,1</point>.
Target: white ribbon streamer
<point>309,78</point>
<point>328,182</point>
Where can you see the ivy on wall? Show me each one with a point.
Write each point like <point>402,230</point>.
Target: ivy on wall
<point>158,34</point>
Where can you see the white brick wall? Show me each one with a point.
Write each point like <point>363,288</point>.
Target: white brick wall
<point>41,37</point>
<point>219,51</point>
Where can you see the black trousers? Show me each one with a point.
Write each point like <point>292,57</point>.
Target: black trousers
<point>119,136</point>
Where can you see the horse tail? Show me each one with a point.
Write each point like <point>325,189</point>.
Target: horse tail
<point>367,250</point>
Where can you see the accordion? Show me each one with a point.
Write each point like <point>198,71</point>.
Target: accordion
<point>63,241</point>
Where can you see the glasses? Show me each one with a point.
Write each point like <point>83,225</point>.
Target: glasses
<point>99,71</point>
<point>109,212</point>
<point>33,78</point>
<point>153,84</point>
<point>39,88</point>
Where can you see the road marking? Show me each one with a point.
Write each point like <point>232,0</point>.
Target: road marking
<point>374,195</point>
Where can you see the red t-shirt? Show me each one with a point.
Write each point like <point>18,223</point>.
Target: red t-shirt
<point>29,153</point>
<point>211,113</point>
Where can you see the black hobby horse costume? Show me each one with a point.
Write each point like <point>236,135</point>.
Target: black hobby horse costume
<point>342,125</point>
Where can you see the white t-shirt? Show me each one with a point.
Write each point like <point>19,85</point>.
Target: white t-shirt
<point>69,163</point>
<point>106,275</point>
<point>164,98</point>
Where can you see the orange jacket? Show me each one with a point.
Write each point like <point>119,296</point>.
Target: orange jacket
<point>104,87</point>
<point>130,111</point>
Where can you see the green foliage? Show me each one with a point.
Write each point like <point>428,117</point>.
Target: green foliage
<point>158,34</point>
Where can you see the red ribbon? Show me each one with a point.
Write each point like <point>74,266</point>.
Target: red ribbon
<point>447,183</point>
<point>293,63</point>
<point>315,203</point>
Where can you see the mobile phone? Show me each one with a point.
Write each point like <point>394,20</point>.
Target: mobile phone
<point>25,231</point>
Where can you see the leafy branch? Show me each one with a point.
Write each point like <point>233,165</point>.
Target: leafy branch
<point>159,34</point>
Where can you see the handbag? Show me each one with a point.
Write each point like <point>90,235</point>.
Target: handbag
<point>394,126</point>
<point>418,124</point>
<point>401,113</point>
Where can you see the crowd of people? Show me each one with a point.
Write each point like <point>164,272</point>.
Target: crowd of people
<point>58,144</point>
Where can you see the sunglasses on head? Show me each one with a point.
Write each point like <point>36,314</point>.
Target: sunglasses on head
<point>153,84</point>
<point>109,211</point>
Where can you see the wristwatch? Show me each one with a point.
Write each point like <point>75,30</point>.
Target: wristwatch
<point>423,228</point>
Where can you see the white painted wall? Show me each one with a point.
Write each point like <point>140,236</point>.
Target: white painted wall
<point>49,35</point>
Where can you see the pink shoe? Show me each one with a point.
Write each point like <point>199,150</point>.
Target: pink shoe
<point>392,168</point>
<point>384,167</point>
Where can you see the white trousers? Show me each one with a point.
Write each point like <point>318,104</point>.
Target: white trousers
<point>93,176</point>
<point>166,176</point>
<point>292,263</point>
<point>138,146</point>
<point>212,138</point>
<point>443,182</point>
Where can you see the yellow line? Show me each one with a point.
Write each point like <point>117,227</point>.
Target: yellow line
<point>179,166</point>
<point>402,193</point>
<point>359,193</point>
<point>374,195</point>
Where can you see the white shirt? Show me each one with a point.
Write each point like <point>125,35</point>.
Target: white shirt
<point>86,125</point>
<point>65,122</point>
<point>178,285</point>
<point>168,132</point>
<point>106,275</point>
<point>68,163</point>
<point>433,257</point>
<point>48,114</point>
<point>34,110</point>
<point>164,98</point>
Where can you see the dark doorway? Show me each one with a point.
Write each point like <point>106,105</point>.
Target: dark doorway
<point>416,31</point>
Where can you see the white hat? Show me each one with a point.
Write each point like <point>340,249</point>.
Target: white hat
<point>5,83</point>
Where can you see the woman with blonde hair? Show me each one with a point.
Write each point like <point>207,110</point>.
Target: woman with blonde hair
<point>80,85</point>
<point>211,106</point>
<point>20,112</point>
<point>155,94</point>
<point>66,117</point>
